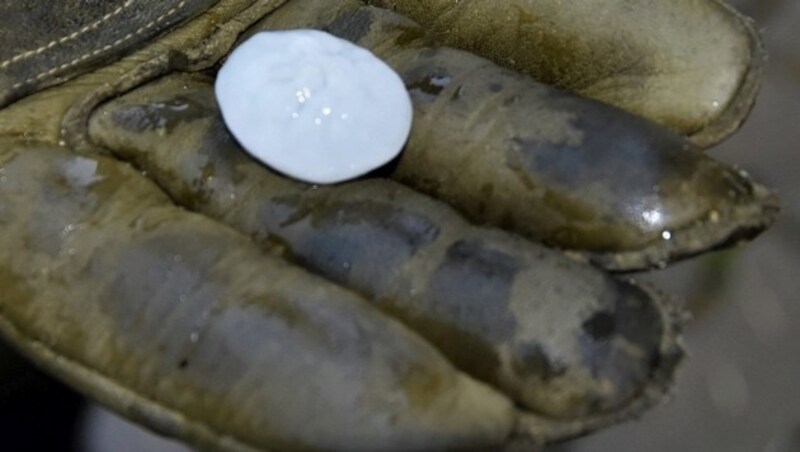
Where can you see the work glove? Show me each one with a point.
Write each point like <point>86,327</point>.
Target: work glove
<point>471,295</point>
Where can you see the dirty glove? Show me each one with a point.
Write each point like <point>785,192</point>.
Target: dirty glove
<point>400,322</point>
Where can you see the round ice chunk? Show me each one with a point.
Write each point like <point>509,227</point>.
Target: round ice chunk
<point>313,106</point>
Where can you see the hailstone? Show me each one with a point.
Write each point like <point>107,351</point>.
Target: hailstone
<point>313,106</point>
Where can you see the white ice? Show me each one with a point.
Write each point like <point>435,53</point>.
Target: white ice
<point>313,106</point>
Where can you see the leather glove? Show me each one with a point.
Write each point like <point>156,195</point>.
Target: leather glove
<point>144,255</point>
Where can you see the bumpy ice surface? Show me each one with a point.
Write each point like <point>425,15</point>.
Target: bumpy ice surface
<point>313,106</point>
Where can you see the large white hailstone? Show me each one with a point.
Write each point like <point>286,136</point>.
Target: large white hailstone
<point>313,106</point>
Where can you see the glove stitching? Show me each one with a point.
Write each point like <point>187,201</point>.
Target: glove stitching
<point>102,49</point>
<point>72,36</point>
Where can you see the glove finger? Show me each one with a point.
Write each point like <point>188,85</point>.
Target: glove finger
<point>552,166</point>
<point>693,66</point>
<point>179,323</point>
<point>563,339</point>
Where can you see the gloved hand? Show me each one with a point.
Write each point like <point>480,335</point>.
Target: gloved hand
<point>164,292</point>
